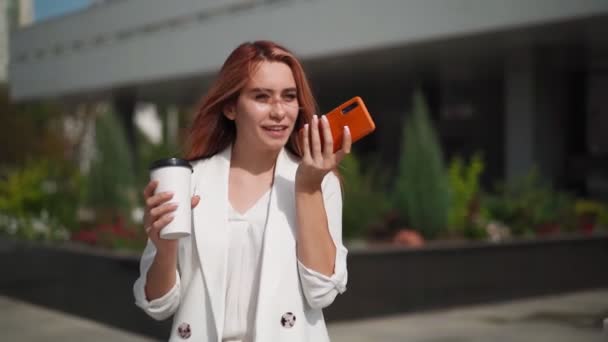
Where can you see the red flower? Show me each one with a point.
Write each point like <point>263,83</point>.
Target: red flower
<point>87,236</point>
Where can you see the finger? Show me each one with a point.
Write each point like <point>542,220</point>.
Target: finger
<point>158,199</point>
<point>346,145</point>
<point>315,139</point>
<point>328,140</point>
<point>195,200</point>
<point>149,189</point>
<point>162,222</point>
<point>146,218</point>
<point>163,209</point>
<point>347,141</point>
<point>306,143</point>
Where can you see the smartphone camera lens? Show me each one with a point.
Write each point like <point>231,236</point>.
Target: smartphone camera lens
<point>348,108</point>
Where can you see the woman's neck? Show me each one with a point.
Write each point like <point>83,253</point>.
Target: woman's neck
<point>255,161</point>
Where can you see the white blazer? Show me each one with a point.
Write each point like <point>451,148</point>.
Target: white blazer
<point>287,288</point>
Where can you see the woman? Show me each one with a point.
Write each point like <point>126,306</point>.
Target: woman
<point>266,252</point>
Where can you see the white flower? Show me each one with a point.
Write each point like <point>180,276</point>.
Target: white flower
<point>12,226</point>
<point>49,186</point>
<point>40,226</point>
<point>497,231</point>
<point>137,215</point>
<point>62,233</point>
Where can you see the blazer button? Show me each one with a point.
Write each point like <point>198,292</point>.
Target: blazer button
<point>288,320</point>
<point>183,330</point>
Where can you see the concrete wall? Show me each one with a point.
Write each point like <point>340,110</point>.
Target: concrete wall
<point>137,41</point>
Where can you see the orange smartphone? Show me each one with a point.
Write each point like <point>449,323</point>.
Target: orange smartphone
<point>353,114</point>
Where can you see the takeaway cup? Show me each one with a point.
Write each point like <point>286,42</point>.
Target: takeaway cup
<point>174,175</point>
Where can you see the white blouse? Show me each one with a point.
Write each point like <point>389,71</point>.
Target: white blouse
<point>246,236</point>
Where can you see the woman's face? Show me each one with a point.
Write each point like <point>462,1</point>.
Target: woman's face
<point>267,108</point>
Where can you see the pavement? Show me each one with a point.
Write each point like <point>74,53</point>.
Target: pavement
<point>574,317</point>
<point>571,317</point>
<point>24,322</point>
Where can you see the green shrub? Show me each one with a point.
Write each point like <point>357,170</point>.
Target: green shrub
<point>29,131</point>
<point>421,187</point>
<point>465,215</point>
<point>602,219</point>
<point>149,152</point>
<point>110,183</point>
<point>528,203</point>
<point>40,200</point>
<point>364,201</point>
<point>591,212</point>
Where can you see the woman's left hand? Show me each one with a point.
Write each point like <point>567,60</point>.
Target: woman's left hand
<point>319,160</point>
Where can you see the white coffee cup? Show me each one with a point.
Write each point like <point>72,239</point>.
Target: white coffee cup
<point>174,175</point>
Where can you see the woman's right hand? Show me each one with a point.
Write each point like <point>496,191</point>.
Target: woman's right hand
<point>158,214</point>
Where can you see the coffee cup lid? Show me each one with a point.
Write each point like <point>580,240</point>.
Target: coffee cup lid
<point>170,162</point>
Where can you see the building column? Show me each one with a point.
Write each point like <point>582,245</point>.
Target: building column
<point>124,107</point>
<point>553,103</point>
<point>170,121</point>
<point>596,171</point>
<point>520,113</point>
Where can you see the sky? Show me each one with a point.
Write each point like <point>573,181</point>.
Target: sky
<point>44,9</point>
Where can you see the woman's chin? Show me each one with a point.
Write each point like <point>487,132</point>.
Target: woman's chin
<point>274,143</point>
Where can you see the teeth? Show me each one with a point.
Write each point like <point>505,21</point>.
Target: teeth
<point>275,128</point>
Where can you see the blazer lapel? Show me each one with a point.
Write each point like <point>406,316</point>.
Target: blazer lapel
<point>278,238</point>
<point>210,220</point>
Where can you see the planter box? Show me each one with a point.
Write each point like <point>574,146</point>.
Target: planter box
<point>97,284</point>
<point>79,280</point>
<point>389,280</point>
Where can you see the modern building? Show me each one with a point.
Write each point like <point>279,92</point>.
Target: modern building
<point>524,82</point>
<point>24,11</point>
<point>17,14</point>
<point>45,9</point>
<point>4,28</point>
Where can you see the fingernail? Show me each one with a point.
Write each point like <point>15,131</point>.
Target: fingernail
<point>306,126</point>
<point>324,117</point>
<point>347,129</point>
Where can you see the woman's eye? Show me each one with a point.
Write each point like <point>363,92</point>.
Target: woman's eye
<point>261,97</point>
<point>290,97</point>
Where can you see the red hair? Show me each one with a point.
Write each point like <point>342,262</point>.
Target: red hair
<point>211,131</point>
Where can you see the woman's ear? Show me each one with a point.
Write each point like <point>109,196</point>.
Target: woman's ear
<point>229,111</point>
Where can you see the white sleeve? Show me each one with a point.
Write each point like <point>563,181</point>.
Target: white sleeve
<point>159,308</point>
<point>319,289</point>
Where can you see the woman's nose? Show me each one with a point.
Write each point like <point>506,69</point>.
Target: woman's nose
<point>277,109</point>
